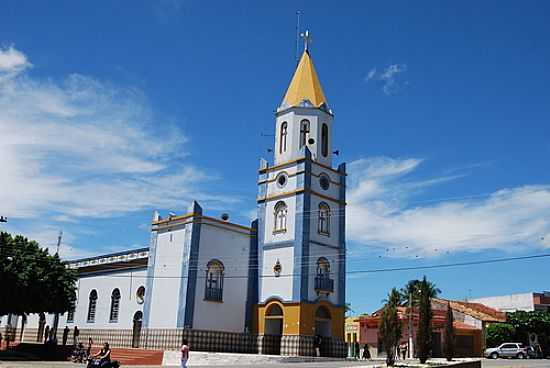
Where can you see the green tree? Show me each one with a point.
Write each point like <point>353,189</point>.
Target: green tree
<point>390,326</point>
<point>449,347</point>
<point>31,279</point>
<point>498,333</point>
<point>537,322</point>
<point>424,331</point>
<point>411,292</point>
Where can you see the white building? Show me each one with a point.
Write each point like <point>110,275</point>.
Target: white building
<point>518,302</point>
<point>281,278</point>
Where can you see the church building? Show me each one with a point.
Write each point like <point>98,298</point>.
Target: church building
<point>267,287</point>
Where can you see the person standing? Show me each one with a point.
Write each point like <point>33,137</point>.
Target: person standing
<point>65,335</point>
<point>46,334</point>
<point>89,349</point>
<point>366,352</point>
<point>0,340</point>
<point>76,333</point>
<point>318,340</point>
<point>184,353</point>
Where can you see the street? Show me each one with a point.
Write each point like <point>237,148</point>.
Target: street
<point>516,363</point>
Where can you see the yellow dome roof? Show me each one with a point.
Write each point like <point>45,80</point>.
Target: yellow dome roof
<point>305,85</point>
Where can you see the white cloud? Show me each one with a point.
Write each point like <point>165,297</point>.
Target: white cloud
<point>12,62</point>
<point>388,78</point>
<point>81,147</point>
<point>380,215</point>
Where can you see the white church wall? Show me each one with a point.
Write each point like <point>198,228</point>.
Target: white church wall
<point>333,190</point>
<point>166,283</point>
<point>232,249</point>
<point>127,282</point>
<point>279,286</point>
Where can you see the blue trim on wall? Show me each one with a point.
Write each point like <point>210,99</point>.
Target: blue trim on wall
<point>150,278</point>
<point>193,265</point>
<point>277,245</point>
<point>261,240</point>
<point>325,245</point>
<point>302,227</point>
<point>186,303</point>
<point>252,293</point>
<point>342,241</point>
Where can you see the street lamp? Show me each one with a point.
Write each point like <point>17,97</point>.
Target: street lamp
<point>3,219</point>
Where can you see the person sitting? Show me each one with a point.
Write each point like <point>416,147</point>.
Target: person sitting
<point>102,359</point>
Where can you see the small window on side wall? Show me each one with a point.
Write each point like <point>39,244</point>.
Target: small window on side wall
<point>280,213</point>
<point>214,281</point>
<point>324,219</point>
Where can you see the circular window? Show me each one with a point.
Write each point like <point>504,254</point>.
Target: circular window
<point>282,178</point>
<point>311,141</point>
<point>140,295</point>
<point>324,182</point>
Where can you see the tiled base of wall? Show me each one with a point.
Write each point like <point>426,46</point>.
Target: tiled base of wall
<point>214,341</point>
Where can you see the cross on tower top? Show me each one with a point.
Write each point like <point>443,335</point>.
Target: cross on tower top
<point>307,39</point>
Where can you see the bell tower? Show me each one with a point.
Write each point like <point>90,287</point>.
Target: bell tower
<point>301,210</point>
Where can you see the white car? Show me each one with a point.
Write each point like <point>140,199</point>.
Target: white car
<point>507,350</point>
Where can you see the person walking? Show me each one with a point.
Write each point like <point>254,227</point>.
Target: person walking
<point>317,341</point>
<point>356,349</point>
<point>89,349</point>
<point>404,350</point>
<point>46,334</point>
<point>65,335</point>
<point>184,353</point>
<point>366,352</point>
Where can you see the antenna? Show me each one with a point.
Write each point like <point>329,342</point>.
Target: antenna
<point>59,241</point>
<point>297,53</point>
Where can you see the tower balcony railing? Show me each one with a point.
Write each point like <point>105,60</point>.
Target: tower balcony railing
<point>324,284</point>
<point>213,294</point>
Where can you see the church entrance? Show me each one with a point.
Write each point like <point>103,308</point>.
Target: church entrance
<point>273,330</point>
<point>323,322</point>
<point>136,330</point>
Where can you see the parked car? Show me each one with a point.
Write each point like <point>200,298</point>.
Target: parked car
<point>507,350</point>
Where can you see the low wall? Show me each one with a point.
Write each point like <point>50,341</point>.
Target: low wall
<point>199,340</point>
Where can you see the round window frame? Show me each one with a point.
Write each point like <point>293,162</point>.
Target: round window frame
<point>279,177</point>
<point>326,179</point>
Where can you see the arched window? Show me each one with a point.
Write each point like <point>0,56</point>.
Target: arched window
<point>92,304</point>
<point>322,313</point>
<point>282,138</point>
<point>280,217</point>
<point>70,312</point>
<point>140,294</point>
<point>304,132</point>
<point>323,267</point>
<point>324,140</point>
<point>324,219</point>
<point>214,281</point>
<point>115,305</point>
<point>274,310</point>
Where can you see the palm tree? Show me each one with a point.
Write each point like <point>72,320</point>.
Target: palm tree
<point>412,291</point>
<point>390,326</point>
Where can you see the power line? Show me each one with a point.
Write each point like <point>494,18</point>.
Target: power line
<point>379,270</point>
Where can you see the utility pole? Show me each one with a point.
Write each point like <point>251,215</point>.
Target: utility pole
<point>411,347</point>
<point>59,241</point>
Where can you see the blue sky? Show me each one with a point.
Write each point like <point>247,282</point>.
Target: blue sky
<point>112,110</point>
